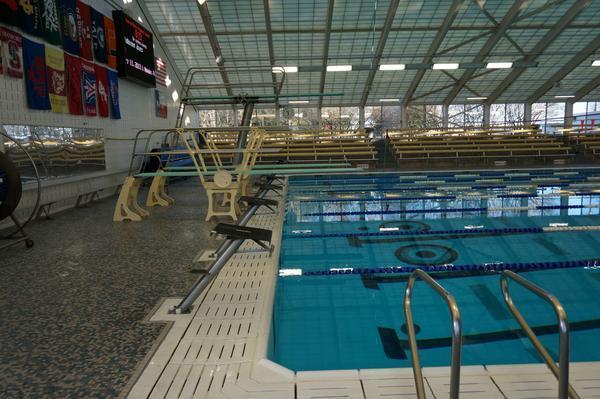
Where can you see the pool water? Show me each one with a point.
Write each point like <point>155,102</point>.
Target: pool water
<point>378,227</point>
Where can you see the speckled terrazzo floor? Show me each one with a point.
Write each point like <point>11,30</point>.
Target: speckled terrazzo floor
<point>72,307</point>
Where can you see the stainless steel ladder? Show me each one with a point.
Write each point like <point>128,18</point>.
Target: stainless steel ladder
<point>565,390</point>
<point>456,333</point>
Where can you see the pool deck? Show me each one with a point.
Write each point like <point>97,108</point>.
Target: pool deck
<point>219,350</point>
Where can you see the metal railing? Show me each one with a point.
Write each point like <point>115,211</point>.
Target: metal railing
<point>561,372</point>
<point>456,334</point>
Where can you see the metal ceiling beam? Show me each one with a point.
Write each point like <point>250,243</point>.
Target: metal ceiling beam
<point>328,20</point>
<point>270,46</point>
<point>433,48</point>
<point>539,48</point>
<point>389,20</point>
<point>489,45</point>
<point>585,90</point>
<point>368,30</point>
<point>214,44</point>
<point>565,70</point>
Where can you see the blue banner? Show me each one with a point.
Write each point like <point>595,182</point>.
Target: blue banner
<point>113,85</point>
<point>70,35</point>
<point>98,36</point>
<point>34,61</point>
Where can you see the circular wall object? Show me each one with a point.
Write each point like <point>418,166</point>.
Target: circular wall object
<point>10,186</point>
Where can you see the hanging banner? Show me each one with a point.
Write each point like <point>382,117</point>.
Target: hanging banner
<point>34,60</point>
<point>98,37</point>
<point>160,71</point>
<point>113,84</point>
<point>84,26</point>
<point>75,100</point>
<point>12,53</point>
<point>88,87</point>
<point>68,25</point>
<point>30,15</point>
<point>57,80</point>
<point>51,22</point>
<point>102,90</point>
<point>111,42</point>
<point>9,13</point>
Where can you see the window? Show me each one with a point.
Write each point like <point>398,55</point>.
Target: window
<point>548,115</point>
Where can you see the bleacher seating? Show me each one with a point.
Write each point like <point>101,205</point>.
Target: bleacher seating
<point>499,143</point>
<point>586,138</point>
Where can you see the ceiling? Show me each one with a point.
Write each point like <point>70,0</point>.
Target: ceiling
<point>552,43</point>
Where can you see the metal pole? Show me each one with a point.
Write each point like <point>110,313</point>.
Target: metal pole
<point>243,135</point>
<point>565,390</point>
<point>456,334</point>
<point>227,250</point>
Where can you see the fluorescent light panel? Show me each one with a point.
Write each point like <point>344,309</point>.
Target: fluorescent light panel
<point>596,63</point>
<point>388,99</point>
<point>476,98</point>
<point>201,2</point>
<point>286,69</point>
<point>445,66</point>
<point>298,102</point>
<point>339,68</point>
<point>498,65</point>
<point>391,67</point>
<point>564,96</point>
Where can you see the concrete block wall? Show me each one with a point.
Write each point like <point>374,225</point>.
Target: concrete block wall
<point>137,112</point>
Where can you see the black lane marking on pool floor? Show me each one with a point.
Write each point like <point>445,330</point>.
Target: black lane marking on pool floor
<point>399,347</point>
<point>356,242</point>
<point>391,343</point>
<point>491,302</point>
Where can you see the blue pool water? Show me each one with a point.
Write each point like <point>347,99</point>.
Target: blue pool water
<point>326,318</point>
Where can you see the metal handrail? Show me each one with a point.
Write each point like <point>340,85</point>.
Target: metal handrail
<point>561,372</point>
<point>456,334</point>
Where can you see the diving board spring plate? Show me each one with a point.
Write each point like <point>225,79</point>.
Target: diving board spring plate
<point>223,179</point>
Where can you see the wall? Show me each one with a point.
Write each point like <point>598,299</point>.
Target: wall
<point>137,112</point>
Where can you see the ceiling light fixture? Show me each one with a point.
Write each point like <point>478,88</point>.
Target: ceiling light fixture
<point>339,68</point>
<point>298,102</point>
<point>201,2</point>
<point>383,100</point>
<point>565,96</point>
<point>596,63</point>
<point>445,66</point>
<point>286,69</point>
<point>498,65</point>
<point>476,98</point>
<point>392,67</point>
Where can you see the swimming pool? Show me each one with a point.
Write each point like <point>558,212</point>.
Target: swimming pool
<point>350,241</point>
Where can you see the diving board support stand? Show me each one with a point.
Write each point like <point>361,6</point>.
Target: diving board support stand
<point>157,194</point>
<point>127,207</point>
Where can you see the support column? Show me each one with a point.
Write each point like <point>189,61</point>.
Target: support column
<point>361,117</point>
<point>445,116</point>
<point>486,115</point>
<point>320,119</point>
<point>403,121</point>
<point>243,135</point>
<point>277,116</point>
<point>527,114</point>
<point>568,115</point>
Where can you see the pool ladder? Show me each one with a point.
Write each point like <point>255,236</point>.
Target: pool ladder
<point>561,372</point>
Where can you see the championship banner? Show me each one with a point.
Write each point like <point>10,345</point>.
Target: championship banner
<point>57,80</point>
<point>30,14</point>
<point>111,42</point>
<point>68,24</point>
<point>113,84</point>
<point>74,97</point>
<point>34,60</point>
<point>102,90</point>
<point>88,87</point>
<point>84,25</point>
<point>98,37</point>
<point>12,53</point>
<point>51,22</point>
<point>9,13</point>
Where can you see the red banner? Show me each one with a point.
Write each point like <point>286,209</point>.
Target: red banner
<point>12,52</point>
<point>73,67</point>
<point>102,89</point>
